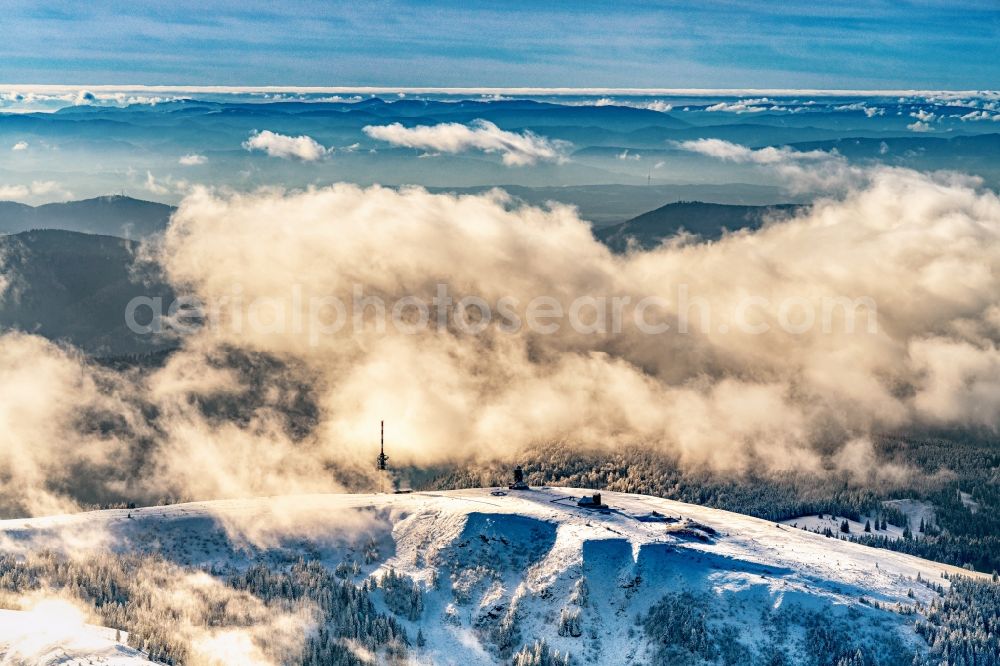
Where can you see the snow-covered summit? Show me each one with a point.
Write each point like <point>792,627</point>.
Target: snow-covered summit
<point>498,570</point>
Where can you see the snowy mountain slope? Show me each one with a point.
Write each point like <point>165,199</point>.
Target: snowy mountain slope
<point>498,572</point>
<point>833,523</point>
<point>54,633</point>
<point>914,510</point>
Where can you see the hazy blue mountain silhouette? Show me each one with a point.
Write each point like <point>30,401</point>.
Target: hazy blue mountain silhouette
<point>74,287</point>
<point>111,215</point>
<point>706,220</point>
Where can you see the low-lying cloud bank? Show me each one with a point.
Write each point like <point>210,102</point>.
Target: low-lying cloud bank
<point>515,149</point>
<point>734,152</point>
<point>800,170</point>
<point>791,393</point>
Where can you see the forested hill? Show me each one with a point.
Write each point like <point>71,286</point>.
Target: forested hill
<point>706,220</point>
<point>75,287</point>
<point>110,215</point>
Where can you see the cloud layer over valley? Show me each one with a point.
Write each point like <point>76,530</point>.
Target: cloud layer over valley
<point>264,403</point>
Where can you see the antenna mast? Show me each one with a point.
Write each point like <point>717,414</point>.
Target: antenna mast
<point>382,458</point>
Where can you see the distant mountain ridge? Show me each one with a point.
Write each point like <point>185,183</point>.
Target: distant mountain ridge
<point>114,215</point>
<point>610,204</point>
<point>707,220</point>
<point>74,287</point>
<point>606,204</point>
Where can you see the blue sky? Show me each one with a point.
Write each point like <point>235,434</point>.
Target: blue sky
<point>704,43</point>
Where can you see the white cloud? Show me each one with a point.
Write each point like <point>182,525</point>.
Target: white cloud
<point>870,111</point>
<point>37,188</point>
<point>165,185</point>
<point>41,187</point>
<point>979,115</point>
<point>153,186</point>
<point>924,248</point>
<point>658,105</point>
<point>14,191</point>
<point>304,148</point>
<point>923,120</point>
<point>651,105</point>
<point>746,106</point>
<point>192,159</point>
<point>801,170</point>
<point>515,149</point>
<point>333,98</point>
<point>658,388</point>
<point>734,152</point>
<point>20,145</point>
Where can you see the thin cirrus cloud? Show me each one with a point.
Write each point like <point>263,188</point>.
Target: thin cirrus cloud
<point>516,149</point>
<point>304,148</point>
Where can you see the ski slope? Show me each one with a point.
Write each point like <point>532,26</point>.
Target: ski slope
<point>515,560</point>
